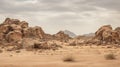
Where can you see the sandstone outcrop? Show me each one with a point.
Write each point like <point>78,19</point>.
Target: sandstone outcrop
<point>14,36</point>
<point>14,32</point>
<point>107,35</point>
<point>61,36</point>
<point>35,32</point>
<point>14,29</point>
<point>118,30</point>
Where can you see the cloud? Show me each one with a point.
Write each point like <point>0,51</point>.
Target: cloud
<point>79,16</point>
<point>108,4</point>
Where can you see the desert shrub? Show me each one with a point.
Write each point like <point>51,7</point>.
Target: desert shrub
<point>110,56</point>
<point>69,59</point>
<point>18,51</point>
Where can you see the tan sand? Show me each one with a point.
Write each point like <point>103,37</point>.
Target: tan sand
<point>85,56</point>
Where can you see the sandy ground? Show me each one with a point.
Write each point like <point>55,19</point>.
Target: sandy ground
<point>84,56</point>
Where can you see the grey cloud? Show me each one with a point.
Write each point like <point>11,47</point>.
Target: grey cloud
<point>80,16</point>
<point>18,6</point>
<point>108,4</point>
<point>43,5</point>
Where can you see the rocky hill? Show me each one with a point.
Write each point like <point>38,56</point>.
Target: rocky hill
<point>71,34</point>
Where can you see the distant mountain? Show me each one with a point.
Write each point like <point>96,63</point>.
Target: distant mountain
<point>89,34</point>
<point>71,34</point>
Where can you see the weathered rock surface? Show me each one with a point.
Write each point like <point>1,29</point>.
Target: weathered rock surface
<point>14,29</point>
<point>14,32</point>
<point>35,32</point>
<point>14,36</point>
<point>61,36</point>
<point>106,34</point>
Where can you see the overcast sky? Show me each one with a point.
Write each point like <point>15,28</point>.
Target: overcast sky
<point>78,16</point>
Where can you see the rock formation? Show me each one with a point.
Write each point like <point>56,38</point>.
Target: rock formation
<point>61,36</point>
<point>118,30</point>
<point>71,34</point>
<point>35,32</point>
<point>106,34</point>
<point>18,33</point>
<point>14,30</point>
<point>14,36</point>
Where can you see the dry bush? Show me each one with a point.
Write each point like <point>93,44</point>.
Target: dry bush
<point>17,51</point>
<point>110,56</point>
<point>69,59</point>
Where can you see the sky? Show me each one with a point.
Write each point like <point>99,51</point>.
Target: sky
<point>78,16</point>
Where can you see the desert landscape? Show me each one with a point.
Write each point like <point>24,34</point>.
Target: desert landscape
<point>25,46</point>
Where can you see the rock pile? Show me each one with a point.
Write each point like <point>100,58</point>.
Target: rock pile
<point>14,31</point>
<point>106,35</point>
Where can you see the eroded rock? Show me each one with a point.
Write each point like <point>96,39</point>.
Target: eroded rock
<point>107,35</point>
<point>14,36</point>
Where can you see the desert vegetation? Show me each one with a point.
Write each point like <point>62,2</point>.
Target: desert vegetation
<point>69,58</point>
<point>110,56</point>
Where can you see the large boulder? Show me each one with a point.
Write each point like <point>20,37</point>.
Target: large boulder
<point>4,28</point>
<point>14,36</point>
<point>11,21</point>
<point>99,32</point>
<point>35,32</point>
<point>38,32</point>
<point>15,27</point>
<point>107,36</point>
<point>24,24</point>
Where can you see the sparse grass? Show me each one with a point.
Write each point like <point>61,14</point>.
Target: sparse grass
<point>69,59</point>
<point>110,56</point>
